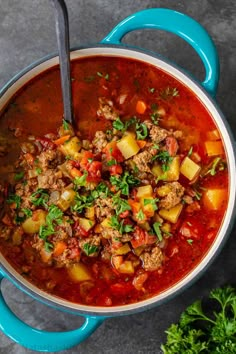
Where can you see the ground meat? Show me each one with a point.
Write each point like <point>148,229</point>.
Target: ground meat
<point>100,141</point>
<point>178,134</point>
<point>51,179</point>
<point>156,133</point>
<point>142,159</point>
<point>187,199</point>
<point>173,197</point>
<point>104,207</point>
<point>49,158</point>
<point>152,260</point>
<point>107,110</point>
<point>92,241</point>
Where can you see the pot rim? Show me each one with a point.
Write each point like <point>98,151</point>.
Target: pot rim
<point>181,75</point>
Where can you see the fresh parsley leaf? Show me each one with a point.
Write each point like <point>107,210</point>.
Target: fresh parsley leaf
<point>65,125</point>
<point>169,92</point>
<point>124,182</point>
<point>27,212</point>
<point>155,118</point>
<point>14,199</point>
<point>118,124</point>
<point>40,197</point>
<point>140,215</point>
<point>53,218</point>
<point>214,166</point>
<point>119,225</point>
<point>151,89</point>
<point>156,228</point>
<point>81,181</point>
<point>141,131</point>
<point>38,170</point>
<point>19,176</point>
<point>111,162</point>
<point>89,249</point>
<point>207,333</point>
<point>120,204</point>
<point>152,201</point>
<point>165,159</point>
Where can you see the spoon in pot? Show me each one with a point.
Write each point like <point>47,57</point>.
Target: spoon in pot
<point>62,31</point>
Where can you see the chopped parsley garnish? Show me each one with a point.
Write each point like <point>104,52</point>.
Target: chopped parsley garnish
<point>119,125</point>
<point>190,152</point>
<point>124,182</point>
<point>27,212</point>
<point>89,249</point>
<point>155,118</point>
<point>111,162</point>
<point>190,241</point>
<point>53,218</point>
<point>38,171</point>
<point>141,131</point>
<point>105,76</point>
<point>152,202</point>
<point>120,226</point>
<point>81,181</point>
<point>165,159</point>
<point>81,202</point>
<point>120,204</point>
<point>19,176</point>
<point>216,164</point>
<point>14,199</point>
<point>40,197</point>
<point>169,92</point>
<point>65,125</point>
<point>151,89</point>
<point>140,215</point>
<point>156,228</point>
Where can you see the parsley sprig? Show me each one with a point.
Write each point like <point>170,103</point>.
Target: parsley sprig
<point>116,224</point>
<point>201,332</point>
<point>53,218</point>
<point>40,197</point>
<point>165,159</point>
<point>124,182</point>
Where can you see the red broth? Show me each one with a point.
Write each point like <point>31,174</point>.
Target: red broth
<point>37,110</point>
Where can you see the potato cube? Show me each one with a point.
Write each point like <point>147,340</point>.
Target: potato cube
<point>163,190</point>
<point>126,267</point>
<point>66,199</point>
<point>157,170</point>
<point>174,170</point>
<point>123,249</point>
<point>214,198</point>
<point>90,212</point>
<point>128,146</point>
<point>86,224</point>
<point>144,191</point>
<point>214,148</point>
<point>33,223</point>
<point>106,222</point>
<point>189,168</point>
<point>172,214</point>
<point>71,147</point>
<point>79,272</point>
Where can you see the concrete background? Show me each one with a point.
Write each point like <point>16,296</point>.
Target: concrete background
<point>27,33</point>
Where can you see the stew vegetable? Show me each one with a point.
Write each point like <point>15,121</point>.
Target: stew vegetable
<point>125,205</point>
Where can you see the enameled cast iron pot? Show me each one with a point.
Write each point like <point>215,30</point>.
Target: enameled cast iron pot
<point>111,45</point>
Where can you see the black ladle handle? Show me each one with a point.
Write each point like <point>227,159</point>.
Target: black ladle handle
<point>62,31</point>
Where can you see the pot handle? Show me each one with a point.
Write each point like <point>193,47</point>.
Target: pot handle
<point>183,26</point>
<point>43,341</point>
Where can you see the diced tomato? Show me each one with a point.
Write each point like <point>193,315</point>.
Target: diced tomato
<point>85,161</point>
<point>112,152</point>
<point>172,145</point>
<point>121,288</point>
<point>141,237</point>
<point>46,143</point>
<point>7,220</point>
<point>115,170</point>
<point>191,229</point>
<point>124,215</point>
<point>104,300</point>
<point>139,280</point>
<point>135,206</point>
<point>94,171</point>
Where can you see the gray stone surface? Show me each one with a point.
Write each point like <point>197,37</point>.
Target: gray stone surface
<point>26,34</point>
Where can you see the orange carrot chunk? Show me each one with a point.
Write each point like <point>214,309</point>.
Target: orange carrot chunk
<point>141,107</point>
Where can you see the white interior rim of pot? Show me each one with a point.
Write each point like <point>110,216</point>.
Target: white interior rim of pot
<point>20,80</point>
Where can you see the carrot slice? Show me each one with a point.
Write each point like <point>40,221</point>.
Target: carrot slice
<point>61,140</point>
<point>141,107</point>
<point>141,143</point>
<point>59,248</point>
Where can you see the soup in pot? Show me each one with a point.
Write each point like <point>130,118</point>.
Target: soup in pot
<point>122,206</point>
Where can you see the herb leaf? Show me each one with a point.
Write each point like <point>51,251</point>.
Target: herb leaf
<point>124,182</point>
<point>89,249</point>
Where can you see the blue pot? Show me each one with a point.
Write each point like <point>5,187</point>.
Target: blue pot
<point>198,38</point>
